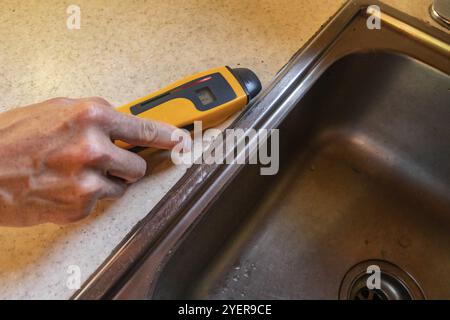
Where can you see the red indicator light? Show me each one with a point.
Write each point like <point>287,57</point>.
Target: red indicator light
<point>193,83</point>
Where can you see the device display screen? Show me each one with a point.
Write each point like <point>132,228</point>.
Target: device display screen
<point>205,95</point>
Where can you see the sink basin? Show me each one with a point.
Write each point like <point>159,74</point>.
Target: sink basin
<point>364,181</point>
<point>365,175</point>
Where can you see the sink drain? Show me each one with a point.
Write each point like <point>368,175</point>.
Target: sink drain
<point>395,284</point>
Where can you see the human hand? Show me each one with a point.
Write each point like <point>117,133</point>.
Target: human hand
<point>57,158</point>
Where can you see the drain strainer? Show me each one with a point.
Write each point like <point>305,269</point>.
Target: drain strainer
<point>395,284</point>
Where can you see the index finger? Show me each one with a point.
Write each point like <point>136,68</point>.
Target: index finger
<point>142,132</point>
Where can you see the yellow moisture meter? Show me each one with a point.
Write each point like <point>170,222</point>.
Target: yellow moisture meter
<point>210,96</point>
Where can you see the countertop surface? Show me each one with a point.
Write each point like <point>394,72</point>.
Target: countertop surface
<point>124,50</point>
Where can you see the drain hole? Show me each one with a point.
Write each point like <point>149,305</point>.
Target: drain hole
<point>369,294</point>
<point>395,284</point>
<point>390,289</point>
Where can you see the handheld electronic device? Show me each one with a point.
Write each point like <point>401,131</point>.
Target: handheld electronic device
<point>210,96</point>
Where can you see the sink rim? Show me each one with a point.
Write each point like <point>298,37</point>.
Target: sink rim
<point>152,239</point>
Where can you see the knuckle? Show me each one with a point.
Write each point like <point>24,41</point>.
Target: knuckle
<point>91,151</point>
<point>86,188</point>
<point>82,199</point>
<point>90,111</point>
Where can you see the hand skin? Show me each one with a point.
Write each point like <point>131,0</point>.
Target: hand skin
<point>57,158</point>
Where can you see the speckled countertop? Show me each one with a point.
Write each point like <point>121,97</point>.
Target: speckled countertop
<point>126,49</point>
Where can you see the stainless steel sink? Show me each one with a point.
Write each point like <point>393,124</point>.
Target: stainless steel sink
<point>364,119</point>
<point>365,175</point>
